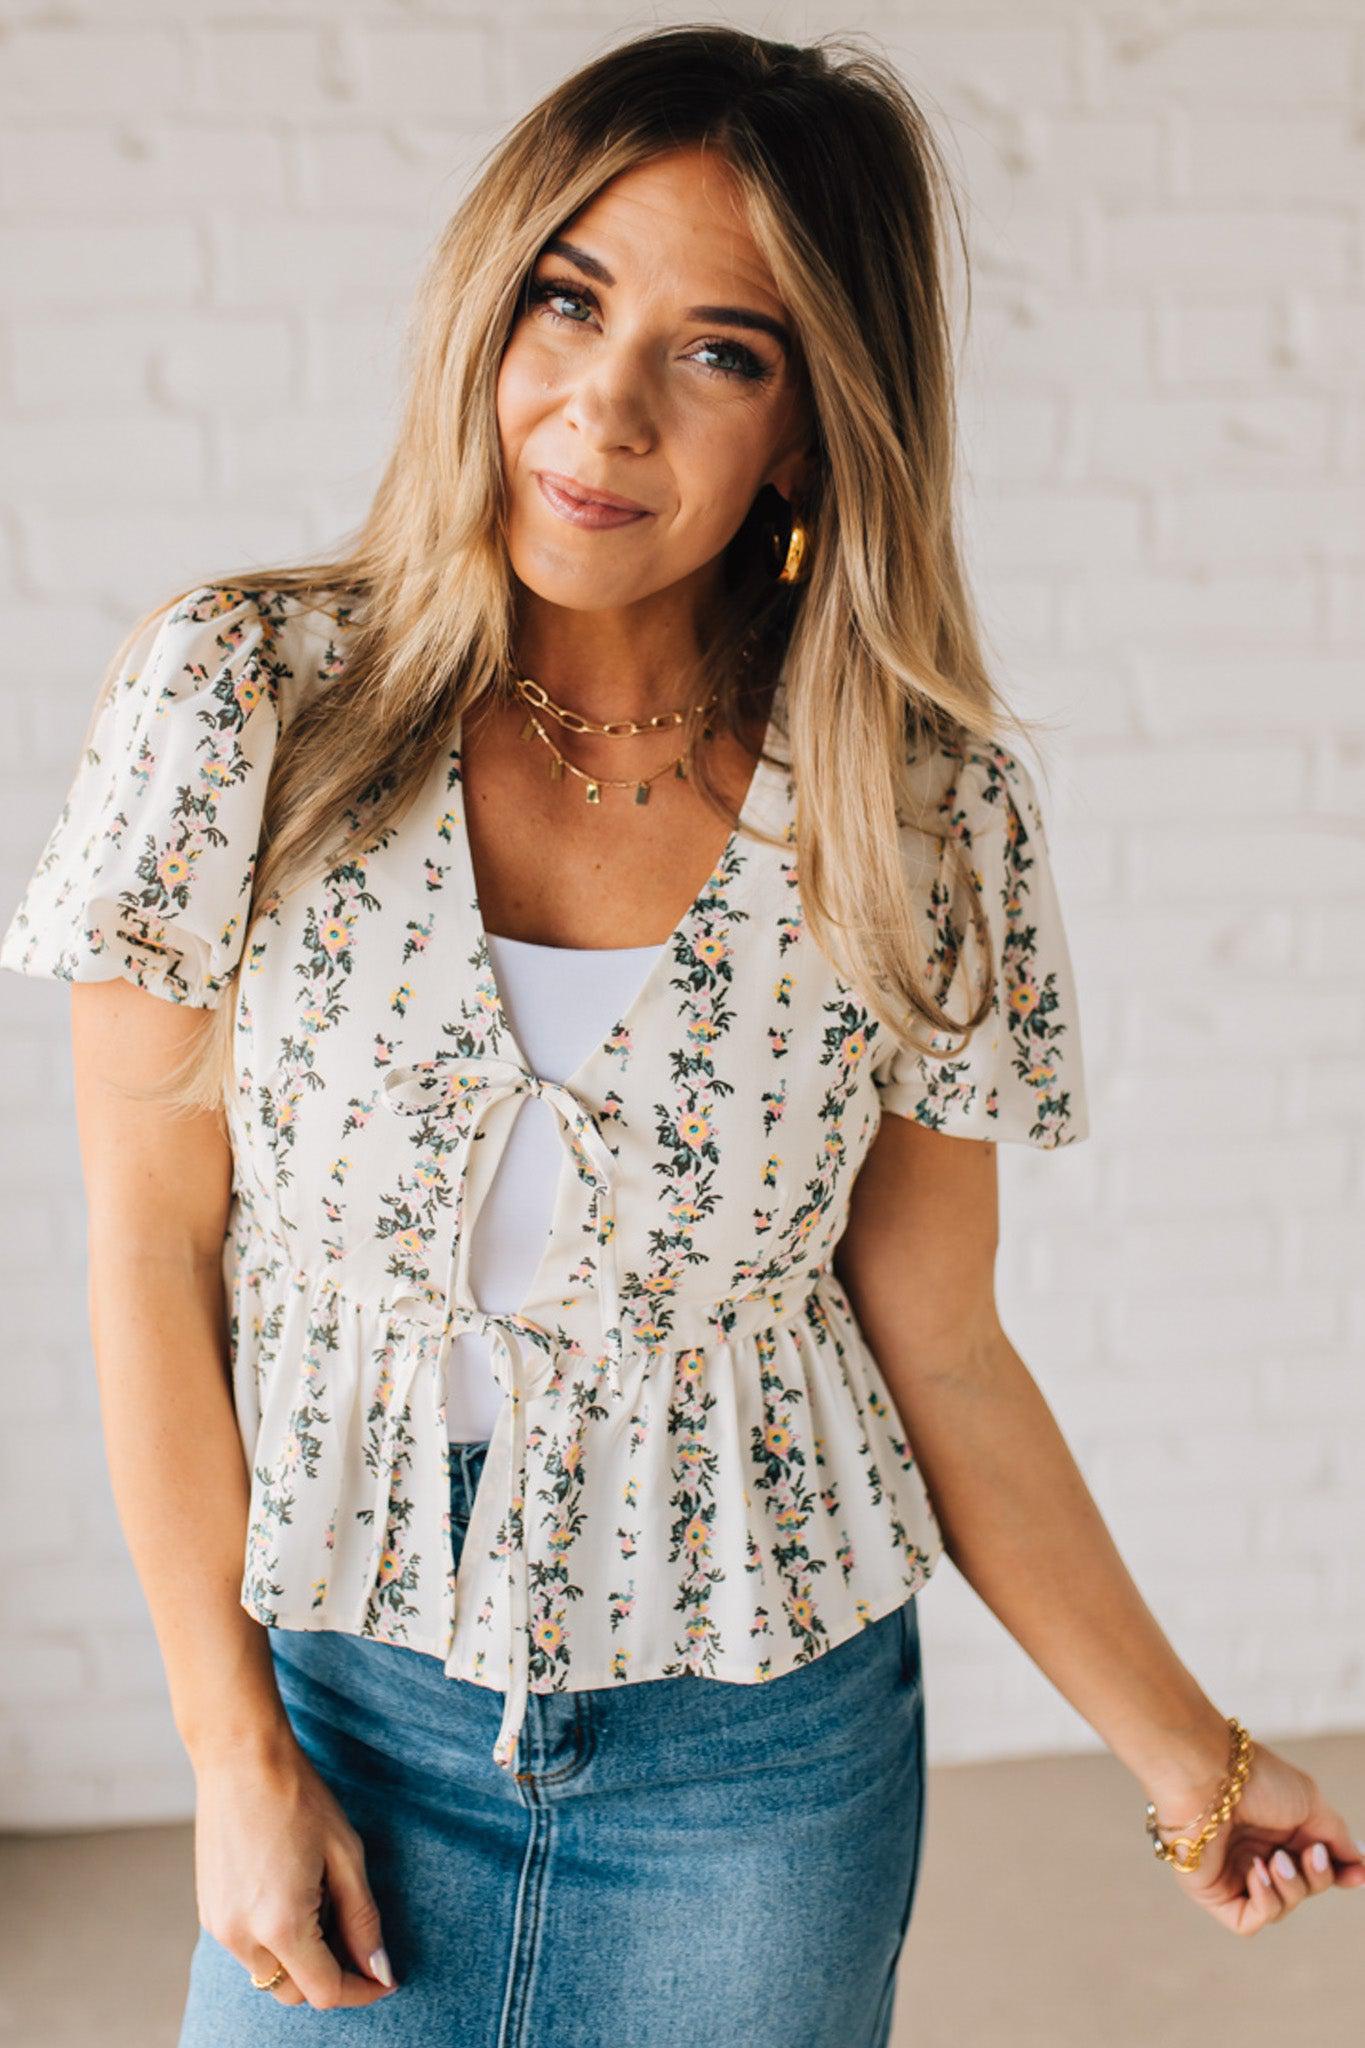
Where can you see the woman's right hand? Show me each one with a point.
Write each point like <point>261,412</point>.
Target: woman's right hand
<point>274,1854</point>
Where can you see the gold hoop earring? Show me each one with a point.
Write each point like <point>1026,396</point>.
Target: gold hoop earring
<point>794,567</point>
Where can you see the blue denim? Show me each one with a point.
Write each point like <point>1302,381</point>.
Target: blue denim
<point>690,1860</point>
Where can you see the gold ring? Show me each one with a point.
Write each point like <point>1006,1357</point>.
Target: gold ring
<point>267,1983</point>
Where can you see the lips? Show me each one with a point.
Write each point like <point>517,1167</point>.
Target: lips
<point>571,488</point>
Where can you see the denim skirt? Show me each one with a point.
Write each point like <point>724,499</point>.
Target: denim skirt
<point>690,1860</point>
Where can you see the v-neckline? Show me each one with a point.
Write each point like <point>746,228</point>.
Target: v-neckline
<point>764,769</point>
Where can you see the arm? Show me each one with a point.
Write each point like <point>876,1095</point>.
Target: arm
<point>157,1193</point>
<point>917,1261</point>
<point>1018,1521</point>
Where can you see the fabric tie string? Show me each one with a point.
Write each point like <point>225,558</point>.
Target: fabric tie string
<point>523,1353</point>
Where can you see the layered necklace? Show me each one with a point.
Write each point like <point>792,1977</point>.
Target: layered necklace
<point>538,701</point>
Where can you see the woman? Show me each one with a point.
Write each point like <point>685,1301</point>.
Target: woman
<point>549,1661</point>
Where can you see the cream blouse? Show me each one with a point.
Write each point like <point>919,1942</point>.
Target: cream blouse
<point>698,1466</point>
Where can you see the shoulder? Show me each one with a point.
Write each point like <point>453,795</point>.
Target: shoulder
<point>969,788</point>
<point>241,645</point>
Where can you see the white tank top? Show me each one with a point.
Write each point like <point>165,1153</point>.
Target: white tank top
<point>561,1001</point>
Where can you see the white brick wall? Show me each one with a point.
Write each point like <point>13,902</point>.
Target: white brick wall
<point>210,224</point>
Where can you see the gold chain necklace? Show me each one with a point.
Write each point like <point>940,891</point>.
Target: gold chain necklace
<point>533,695</point>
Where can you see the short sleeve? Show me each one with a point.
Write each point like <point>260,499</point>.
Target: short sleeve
<point>1021,1076</point>
<point>147,872</point>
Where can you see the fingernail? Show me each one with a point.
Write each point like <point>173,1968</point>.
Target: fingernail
<point>1284,1863</point>
<point>381,1968</point>
<point>1318,1856</point>
<point>1262,1873</point>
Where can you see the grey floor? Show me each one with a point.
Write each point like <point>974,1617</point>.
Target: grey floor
<point>1042,1921</point>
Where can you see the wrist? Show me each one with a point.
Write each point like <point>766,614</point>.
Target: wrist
<point>269,1739</point>
<point>1186,1769</point>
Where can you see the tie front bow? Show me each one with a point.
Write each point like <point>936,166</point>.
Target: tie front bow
<point>462,1089</point>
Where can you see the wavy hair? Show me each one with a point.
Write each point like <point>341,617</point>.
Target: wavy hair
<point>848,196</point>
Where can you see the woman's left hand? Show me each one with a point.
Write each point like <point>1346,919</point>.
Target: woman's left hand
<point>1281,1814</point>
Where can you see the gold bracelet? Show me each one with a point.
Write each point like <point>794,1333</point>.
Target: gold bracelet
<point>1229,1792</point>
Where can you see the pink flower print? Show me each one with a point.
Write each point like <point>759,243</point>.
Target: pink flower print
<point>690,1366</point>
<point>701,1031</point>
<point>694,1130</point>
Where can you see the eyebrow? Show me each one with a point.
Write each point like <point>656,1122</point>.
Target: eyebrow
<point>731,316</point>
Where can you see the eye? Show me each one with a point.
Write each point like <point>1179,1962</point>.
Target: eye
<point>744,364</point>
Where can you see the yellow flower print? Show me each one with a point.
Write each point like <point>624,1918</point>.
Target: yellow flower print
<point>319,1591</point>
<point>698,1628</point>
<point>662,1283</point>
<point>855,1045</point>
<point>573,1456</point>
<point>684,1212</point>
<point>409,1243</point>
<point>335,935</point>
<point>1023,998</point>
<point>694,1130</point>
<point>790,1518</point>
<point>777,1437</point>
<point>561,1537</point>
<point>216,770</point>
<point>173,868</point>
<point>696,1534</point>
<point>691,1452</point>
<point>426,1175</point>
<point>691,1364</point>
<point>712,950</point>
<point>701,1030</point>
<point>548,1634</point>
<point>248,691</point>
<point>383,1391</point>
<point>1040,1073</point>
<point>801,1611</point>
<point>390,1565</point>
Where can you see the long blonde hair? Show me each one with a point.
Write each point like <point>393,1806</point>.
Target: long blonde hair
<point>849,198</point>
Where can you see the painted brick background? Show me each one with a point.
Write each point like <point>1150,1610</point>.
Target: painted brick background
<point>211,218</point>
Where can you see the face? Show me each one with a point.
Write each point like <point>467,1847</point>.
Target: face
<point>648,361</point>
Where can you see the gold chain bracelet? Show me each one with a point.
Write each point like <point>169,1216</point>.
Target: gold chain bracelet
<point>1229,1792</point>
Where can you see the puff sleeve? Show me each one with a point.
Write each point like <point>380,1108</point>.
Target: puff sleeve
<point>147,872</point>
<point>1021,1076</point>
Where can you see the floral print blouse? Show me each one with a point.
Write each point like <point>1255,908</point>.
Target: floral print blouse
<point>698,1466</point>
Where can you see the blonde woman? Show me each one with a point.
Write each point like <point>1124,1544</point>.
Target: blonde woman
<point>534,975</point>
